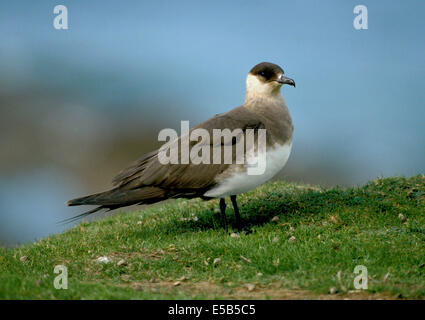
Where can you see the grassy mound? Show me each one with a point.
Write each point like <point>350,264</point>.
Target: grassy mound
<point>305,244</point>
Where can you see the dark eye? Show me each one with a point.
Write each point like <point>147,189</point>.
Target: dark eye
<point>265,74</point>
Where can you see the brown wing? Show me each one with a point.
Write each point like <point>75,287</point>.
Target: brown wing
<point>148,171</point>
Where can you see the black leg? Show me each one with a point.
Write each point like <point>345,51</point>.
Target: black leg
<point>237,214</point>
<point>223,213</point>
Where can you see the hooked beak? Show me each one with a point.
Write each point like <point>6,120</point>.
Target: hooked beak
<point>285,80</point>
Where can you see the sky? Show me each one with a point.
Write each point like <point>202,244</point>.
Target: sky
<point>362,83</point>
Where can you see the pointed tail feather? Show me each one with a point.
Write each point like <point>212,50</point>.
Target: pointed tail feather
<point>82,215</point>
<point>120,197</point>
<point>98,198</point>
<point>116,198</point>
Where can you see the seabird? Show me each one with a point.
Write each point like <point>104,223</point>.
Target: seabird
<point>149,181</point>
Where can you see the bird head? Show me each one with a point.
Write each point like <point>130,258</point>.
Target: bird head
<point>266,79</point>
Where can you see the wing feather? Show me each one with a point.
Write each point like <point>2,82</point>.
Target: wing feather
<point>148,171</point>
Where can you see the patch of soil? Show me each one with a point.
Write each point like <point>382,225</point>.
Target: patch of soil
<point>257,292</point>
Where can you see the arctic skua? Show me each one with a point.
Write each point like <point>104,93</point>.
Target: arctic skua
<point>149,181</point>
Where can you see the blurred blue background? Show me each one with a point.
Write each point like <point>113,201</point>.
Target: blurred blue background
<point>78,105</point>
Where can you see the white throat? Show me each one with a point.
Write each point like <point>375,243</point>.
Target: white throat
<point>258,89</point>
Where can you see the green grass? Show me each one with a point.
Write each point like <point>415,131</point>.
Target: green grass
<point>380,225</point>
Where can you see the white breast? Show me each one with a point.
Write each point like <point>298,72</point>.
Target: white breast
<point>241,182</point>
